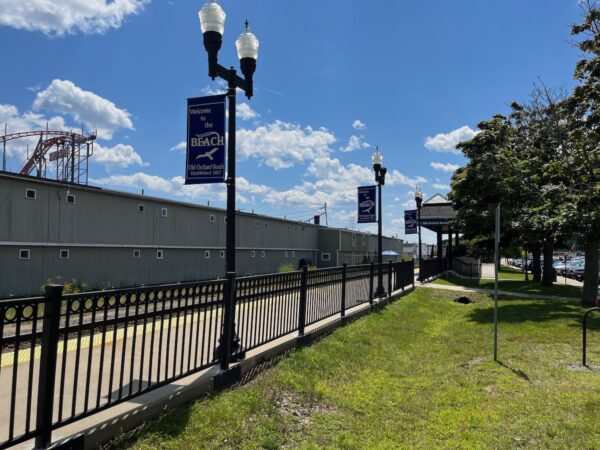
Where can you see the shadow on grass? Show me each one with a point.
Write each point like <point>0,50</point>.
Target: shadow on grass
<point>517,372</point>
<point>519,311</point>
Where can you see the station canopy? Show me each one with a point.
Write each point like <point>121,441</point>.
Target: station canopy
<point>437,214</point>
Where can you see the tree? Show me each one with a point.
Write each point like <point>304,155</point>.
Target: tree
<point>583,209</point>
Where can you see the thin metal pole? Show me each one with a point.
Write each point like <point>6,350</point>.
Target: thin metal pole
<point>230,238</point>
<point>4,150</point>
<point>229,342</point>
<point>380,289</point>
<point>420,278</point>
<point>496,254</point>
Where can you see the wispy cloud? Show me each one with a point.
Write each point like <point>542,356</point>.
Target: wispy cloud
<point>448,168</point>
<point>447,142</point>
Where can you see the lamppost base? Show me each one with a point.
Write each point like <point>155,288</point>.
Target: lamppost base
<point>380,292</point>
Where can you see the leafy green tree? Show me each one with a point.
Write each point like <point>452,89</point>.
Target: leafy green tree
<point>583,208</point>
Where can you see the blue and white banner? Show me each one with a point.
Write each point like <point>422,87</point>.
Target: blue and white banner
<point>367,205</point>
<point>410,222</point>
<point>205,156</point>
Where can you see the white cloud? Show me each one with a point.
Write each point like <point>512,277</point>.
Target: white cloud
<point>181,147</point>
<point>441,187</point>
<point>334,184</point>
<point>245,112</point>
<point>355,143</point>
<point>448,168</point>
<point>358,125</point>
<point>447,142</point>
<point>176,187</point>
<point>60,17</point>
<point>280,145</point>
<point>85,107</point>
<point>120,156</point>
<point>138,180</point>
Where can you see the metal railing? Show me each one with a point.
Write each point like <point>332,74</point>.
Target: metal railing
<point>429,268</point>
<point>584,334</point>
<point>65,357</point>
<point>471,270</point>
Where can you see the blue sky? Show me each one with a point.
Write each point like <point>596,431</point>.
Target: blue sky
<point>335,78</point>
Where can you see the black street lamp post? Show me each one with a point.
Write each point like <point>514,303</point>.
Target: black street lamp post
<point>212,23</point>
<point>419,200</point>
<point>380,179</point>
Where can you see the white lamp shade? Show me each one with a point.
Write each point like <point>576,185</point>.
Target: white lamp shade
<point>377,158</point>
<point>212,18</point>
<point>247,45</point>
<point>418,193</point>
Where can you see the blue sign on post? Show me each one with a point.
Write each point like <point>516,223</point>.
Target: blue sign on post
<point>205,156</point>
<point>367,206</point>
<point>410,221</point>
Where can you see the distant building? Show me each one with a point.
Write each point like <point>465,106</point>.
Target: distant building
<point>106,238</point>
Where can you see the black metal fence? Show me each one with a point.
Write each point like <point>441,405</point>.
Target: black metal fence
<point>467,269</point>
<point>65,357</point>
<point>429,268</point>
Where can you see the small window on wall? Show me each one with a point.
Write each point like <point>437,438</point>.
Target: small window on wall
<point>222,253</point>
<point>253,254</point>
<point>207,254</point>
<point>159,254</point>
<point>24,253</point>
<point>64,254</point>
<point>263,254</point>
<point>164,212</point>
<point>212,218</point>
<point>326,256</point>
<point>70,199</point>
<point>293,254</point>
<point>286,253</point>
<point>137,254</point>
<point>30,194</point>
<point>141,208</point>
<point>225,219</point>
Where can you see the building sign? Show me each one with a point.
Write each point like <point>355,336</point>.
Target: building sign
<point>434,222</point>
<point>205,156</point>
<point>367,210</point>
<point>410,221</point>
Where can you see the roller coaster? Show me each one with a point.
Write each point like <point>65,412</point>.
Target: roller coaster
<point>62,153</point>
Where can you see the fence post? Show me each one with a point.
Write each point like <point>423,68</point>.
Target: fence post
<point>412,272</point>
<point>390,274</point>
<point>226,339</point>
<point>302,306</point>
<point>371,274</point>
<point>48,355</point>
<point>344,276</point>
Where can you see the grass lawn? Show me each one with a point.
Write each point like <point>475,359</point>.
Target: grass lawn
<point>418,374</point>
<point>523,287</point>
<point>510,273</point>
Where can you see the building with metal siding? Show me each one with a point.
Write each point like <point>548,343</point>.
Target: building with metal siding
<point>107,238</point>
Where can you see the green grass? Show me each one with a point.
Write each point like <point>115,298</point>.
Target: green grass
<point>417,375</point>
<point>521,287</point>
<point>509,273</point>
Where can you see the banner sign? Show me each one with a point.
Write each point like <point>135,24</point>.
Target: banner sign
<point>410,221</point>
<point>367,210</point>
<point>205,156</point>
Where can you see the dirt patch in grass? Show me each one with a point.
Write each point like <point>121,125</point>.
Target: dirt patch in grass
<point>302,410</point>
